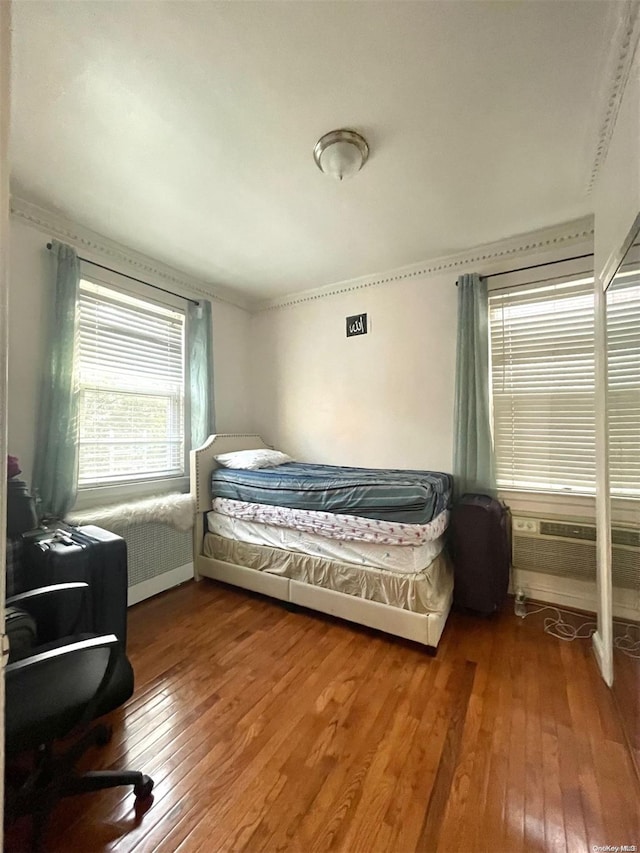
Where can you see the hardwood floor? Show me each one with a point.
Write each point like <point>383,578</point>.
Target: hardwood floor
<point>266,729</point>
<point>626,686</point>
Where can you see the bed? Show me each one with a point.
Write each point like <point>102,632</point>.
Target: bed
<point>375,570</point>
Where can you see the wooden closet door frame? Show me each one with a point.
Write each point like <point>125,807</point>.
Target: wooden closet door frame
<point>5,112</point>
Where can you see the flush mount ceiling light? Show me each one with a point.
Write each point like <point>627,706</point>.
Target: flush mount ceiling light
<point>341,153</point>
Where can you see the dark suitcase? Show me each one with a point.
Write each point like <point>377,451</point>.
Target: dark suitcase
<point>87,554</point>
<point>480,539</point>
<point>21,632</point>
<point>21,509</point>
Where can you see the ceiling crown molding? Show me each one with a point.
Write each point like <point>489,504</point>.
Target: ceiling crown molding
<point>625,35</point>
<point>101,248</point>
<point>490,258</point>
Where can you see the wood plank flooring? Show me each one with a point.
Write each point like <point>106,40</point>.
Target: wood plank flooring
<point>272,730</point>
<point>626,687</point>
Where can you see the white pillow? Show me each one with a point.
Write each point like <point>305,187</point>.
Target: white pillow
<point>251,460</point>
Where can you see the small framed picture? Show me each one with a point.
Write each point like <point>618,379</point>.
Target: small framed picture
<point>356,325</point>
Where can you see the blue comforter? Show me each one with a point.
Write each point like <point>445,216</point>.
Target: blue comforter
<point>390,495</point>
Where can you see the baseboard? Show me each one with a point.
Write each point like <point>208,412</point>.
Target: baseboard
<point>160,583</point>
<point>576,594</point>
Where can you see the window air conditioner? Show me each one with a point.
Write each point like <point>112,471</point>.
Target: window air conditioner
<point>568,549</point>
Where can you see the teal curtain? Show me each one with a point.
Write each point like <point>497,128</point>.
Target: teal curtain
<point>473,457</point>
<point>200,360</point>
<point>55,476</point>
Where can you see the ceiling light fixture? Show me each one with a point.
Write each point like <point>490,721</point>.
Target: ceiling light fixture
<point>341,153</point>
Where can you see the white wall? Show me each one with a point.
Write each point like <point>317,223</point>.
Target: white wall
<point>231,366</point>
<point>386,399</point>
<point>31,282</point>
<point>381,399</point>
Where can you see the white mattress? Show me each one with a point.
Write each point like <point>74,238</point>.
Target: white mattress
<point>406,559</point>
<point>350,528</point>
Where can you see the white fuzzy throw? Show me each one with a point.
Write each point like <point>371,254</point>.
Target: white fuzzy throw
<point>176,510</point>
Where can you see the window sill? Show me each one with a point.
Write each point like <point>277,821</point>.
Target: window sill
<point>582,507</point>
<point>625,511</point>
<point>175,509</point>
<point>124,492</point>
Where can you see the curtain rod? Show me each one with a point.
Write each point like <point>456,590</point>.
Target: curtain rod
<point>536,266</point>
<point>132,278</point>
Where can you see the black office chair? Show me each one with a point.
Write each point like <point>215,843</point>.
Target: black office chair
<point>53,690</point>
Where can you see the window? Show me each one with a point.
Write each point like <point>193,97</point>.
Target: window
<point>132,401</point>
<point>623,403</point>
<point>543,378</point>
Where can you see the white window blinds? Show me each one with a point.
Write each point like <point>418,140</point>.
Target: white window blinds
<point>131,377</point>
<point>543,378</point>
<point>623,388</point>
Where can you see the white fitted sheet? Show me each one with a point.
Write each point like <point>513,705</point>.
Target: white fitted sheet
<point>334,525</point>
<point>406,559</point>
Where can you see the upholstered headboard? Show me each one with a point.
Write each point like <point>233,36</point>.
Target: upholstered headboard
<point>202,462</point>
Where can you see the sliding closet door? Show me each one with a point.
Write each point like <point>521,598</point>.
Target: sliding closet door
<point>623,408</point>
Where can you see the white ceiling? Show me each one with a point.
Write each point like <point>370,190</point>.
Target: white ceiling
<point>185,130</point>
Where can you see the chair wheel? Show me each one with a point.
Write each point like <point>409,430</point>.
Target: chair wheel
<point>144,788</point>
<point>104,735</point>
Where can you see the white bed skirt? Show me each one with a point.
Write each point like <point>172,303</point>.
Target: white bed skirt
<point>424,628</point>
<point>418,592</point>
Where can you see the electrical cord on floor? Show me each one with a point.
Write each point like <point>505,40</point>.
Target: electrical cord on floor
<point>627,644</point>
<point>557,627</point>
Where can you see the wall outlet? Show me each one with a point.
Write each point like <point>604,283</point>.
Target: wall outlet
<point>525,525</point>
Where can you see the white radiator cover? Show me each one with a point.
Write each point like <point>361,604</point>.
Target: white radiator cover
<point>554,559</point>
<point>159,557</point>
<point>158,533</point>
